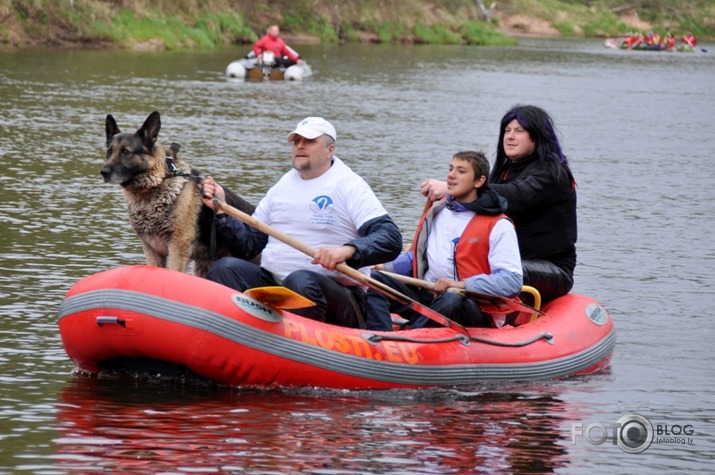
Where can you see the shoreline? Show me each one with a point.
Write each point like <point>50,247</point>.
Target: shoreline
<point>511,25</point>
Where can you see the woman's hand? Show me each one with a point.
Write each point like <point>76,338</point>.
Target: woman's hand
<point>434,189</point>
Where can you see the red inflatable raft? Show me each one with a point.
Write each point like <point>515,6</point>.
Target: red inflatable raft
<point>142,313</point>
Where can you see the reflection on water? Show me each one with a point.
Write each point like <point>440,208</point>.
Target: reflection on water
<point>635,127</point>
<point>206,428</point>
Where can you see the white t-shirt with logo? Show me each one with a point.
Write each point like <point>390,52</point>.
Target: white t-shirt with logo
<point>504,258</point>
<point>326,211</point>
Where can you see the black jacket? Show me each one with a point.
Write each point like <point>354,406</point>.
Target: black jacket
<point>541,196</point>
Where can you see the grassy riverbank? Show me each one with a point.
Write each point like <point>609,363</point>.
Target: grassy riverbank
<point>179,24</point>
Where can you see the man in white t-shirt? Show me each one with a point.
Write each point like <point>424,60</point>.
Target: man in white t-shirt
<point>324,204</point>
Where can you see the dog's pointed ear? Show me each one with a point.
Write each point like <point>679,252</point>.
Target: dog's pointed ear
<point>111,128</point>
<point>149,131</point>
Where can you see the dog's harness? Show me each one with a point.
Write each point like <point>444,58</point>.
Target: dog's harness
<point>177,172</point>
<point>172,166</point>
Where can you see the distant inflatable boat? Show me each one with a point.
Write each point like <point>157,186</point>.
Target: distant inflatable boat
<point>128,316</point>
<point>620,43</point>
<point>266,67</point>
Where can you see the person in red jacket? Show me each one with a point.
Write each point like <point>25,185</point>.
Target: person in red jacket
<point>689,40</point>
<point>669,41</point>
<point>284,55</point>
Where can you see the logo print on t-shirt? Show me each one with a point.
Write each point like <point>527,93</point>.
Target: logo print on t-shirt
<point>450,259</point>
<point>322,204</point>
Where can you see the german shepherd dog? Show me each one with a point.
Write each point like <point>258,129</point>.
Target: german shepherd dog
<point>163,197</point>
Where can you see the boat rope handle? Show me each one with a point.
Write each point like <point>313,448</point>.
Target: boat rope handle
<point>541,336</point>
<point>374,339</point>
<point>110,321</point>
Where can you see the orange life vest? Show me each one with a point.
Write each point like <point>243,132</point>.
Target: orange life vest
<point>471,254</point>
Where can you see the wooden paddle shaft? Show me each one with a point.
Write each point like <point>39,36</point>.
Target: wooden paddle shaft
<point>292,242</point>
<point>496,303</point>
<point>354,274</point>
<point>422,284</point>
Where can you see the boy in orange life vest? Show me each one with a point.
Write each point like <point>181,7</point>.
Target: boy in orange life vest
<point>465,241</point>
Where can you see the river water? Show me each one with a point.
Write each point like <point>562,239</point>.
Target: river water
<point>637,127</point>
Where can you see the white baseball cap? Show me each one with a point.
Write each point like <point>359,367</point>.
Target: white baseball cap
<point>312,128</point>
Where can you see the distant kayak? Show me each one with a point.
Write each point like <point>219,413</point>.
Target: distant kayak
<point>637,45</point>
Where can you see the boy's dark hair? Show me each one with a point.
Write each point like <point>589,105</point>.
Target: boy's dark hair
<point>479,162</point>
